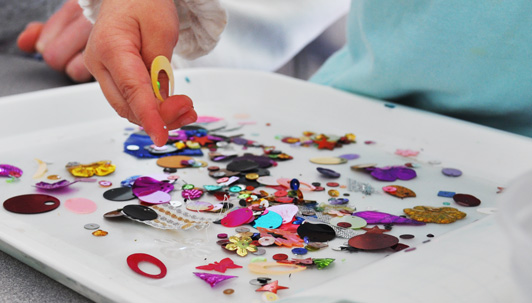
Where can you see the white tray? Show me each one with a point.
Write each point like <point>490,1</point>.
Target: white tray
<point>76,124</point>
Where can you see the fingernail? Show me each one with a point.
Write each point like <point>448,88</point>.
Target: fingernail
<point>39,46</point>
<point>188,120</point>
<point>183,110</point>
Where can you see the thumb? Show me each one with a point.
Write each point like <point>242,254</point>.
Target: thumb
<point>159,39</point>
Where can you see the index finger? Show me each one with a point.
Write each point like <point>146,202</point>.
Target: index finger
<point>132,80</point>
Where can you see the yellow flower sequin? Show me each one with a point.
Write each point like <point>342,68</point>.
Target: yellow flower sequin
<point>241,244</point>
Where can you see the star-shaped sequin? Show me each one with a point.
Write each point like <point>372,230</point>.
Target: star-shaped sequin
<point>272,287</point>
<point>202,140</point>
<point>375,230</point>
<point>324,144</point>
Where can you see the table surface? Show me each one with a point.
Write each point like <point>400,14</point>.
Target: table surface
<point>255,99</point>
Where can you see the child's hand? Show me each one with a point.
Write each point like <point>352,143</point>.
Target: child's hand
<point>60,40</point>
<point>127,36</point>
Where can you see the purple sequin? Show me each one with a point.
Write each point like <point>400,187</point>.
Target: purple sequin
<point>375,217</point>
<point>392,173</point>
<point>52,186</point>
<point>191,194</point>
<point>7,170</point>
<point>146,185</point>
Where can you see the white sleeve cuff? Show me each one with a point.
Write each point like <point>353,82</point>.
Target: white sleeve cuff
<point>201,22</point>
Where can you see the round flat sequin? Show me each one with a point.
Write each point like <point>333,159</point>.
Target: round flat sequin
<point>269,297</point>
<point>160,150</point>
<point>228,291</point>
<point>329,173</point>
<point>119,194</point>
<point>173,161</point>
<point>104,183</point>
<point>260,281</point>
<point>266,241</point>
<point>332,184</point>
<point>333,193</point>
<point>406,236</point>
<point>451,172</point>
<point>132,147</point>
<point>372,241</point>
<point>299,251</point>
<point>31,204</point>
<point>354,221</point>
<point>80,205</point>
<point>268,180</point>
<point>242,165</point>
<point>252,176</point>
<point>269,220</point>
<point>316,232</point>
<point>237,217</point>
<point>113,214</point>
<point>242,229</point>
<point>139,212</point>
<point>157,197</point>
<point>363,166</point>
<point>199,206</point>
<point>466,200</point>
<point>260,251</point>
<point>91,226</point>
<point>280,257</point>
<point>328,160</point>
<point>349,156</point>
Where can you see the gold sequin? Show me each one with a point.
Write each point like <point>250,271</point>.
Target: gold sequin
<point>440,215</point>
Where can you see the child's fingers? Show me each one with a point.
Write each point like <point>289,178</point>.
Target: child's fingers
<point>132,81</point>
<point>27,38</point>
<point>64,47</point>
<point>77,70</point>
<point>189,117</point>
<point>57,23</point>
<point>177,111</point>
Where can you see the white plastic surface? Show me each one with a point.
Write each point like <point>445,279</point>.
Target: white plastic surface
<point>77,124</point>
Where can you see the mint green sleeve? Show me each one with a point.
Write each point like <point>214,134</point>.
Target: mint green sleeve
<point>467,59</point>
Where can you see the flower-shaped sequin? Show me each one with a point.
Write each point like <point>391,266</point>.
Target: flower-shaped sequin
<point>241,244</point>
<point>440,215</point>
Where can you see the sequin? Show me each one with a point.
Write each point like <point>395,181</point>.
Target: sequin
<point>228,291</point>
<point>322,263</point>
<point>100,233</point>
<point>100,168</point>
<point>440,215</point>
<point>242,245</point>
<point>466,200</point>
<point>221,266</point>
<point>212,279</point>
<point>7,170</point>
<point>333,193</point>
<point>399,191</point>
<point>272,287</point>
<point>161,63</point>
